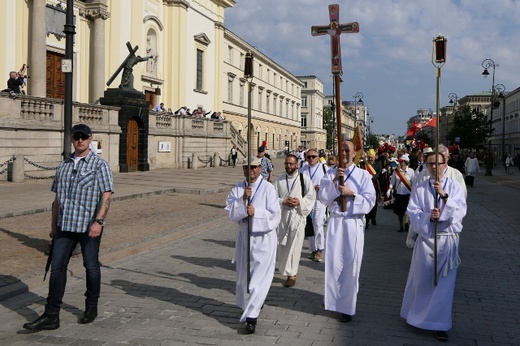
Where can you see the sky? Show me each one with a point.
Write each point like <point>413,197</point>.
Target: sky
<point>390,60</point>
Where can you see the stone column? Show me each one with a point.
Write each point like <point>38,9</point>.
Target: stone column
<point>97,13</point>
<point>37,85</point>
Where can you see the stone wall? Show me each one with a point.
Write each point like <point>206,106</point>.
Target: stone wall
<point>33,127</point>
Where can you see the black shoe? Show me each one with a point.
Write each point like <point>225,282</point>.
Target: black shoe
<point>345,318</point>
<point>374,223</point>
<point>44,322</point>
<point>89,316</point>
<point>441,335</point>
<point>250,325</point>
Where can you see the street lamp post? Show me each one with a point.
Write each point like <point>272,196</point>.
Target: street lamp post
<point>487,64</point>
<point>454,101</point>
<point>357,98</point>
<point>500,90</point>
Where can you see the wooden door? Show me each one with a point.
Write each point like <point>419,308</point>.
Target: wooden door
<point>55,78</point>
<point>150,97</point>
<point>132,145</point>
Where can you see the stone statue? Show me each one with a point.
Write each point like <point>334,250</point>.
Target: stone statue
<point>127,66</point>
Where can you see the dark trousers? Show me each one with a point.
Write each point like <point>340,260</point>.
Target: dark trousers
<point>234,160</point>
<point>64,244</point>
<point>373,213</point>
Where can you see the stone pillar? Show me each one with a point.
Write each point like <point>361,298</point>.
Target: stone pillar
<point>37,85</point>
<point>97,13</point>
<point>17,170</point>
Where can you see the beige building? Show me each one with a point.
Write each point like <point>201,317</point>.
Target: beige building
<point>312,97</point>
<point>275,97</point>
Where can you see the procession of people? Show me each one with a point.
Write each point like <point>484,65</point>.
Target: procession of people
<point>338,203</point>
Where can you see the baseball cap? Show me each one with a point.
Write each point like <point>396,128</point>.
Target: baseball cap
<point>82,128</point>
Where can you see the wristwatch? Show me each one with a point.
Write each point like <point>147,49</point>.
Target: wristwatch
<point>445,196</point>
<point>353,196</point>
<point>100,221</point>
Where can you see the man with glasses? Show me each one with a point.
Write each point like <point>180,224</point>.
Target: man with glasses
<point>297,196</point>
<point>434,205</point>
<point>256,204</point>
<point>345,231</point>
<point>450,172</point>
<point>316,170</point>
<point>84,186</point>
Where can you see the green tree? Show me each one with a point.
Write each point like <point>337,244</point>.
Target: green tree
<point>471,127</point>
<point>328,125</point>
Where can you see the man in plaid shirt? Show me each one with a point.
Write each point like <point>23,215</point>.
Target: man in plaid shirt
<point>84,187</point>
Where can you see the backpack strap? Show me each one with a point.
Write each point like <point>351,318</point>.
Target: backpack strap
<point>324,170</point>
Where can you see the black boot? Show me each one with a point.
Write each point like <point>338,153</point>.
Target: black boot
<point>44,322</point>
<point>89,316</point>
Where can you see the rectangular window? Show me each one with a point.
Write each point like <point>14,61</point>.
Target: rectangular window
<point>304,120</point>
<point>242,60</point>
<point>230,90</point>
<point>230,55</point>
<point>304,101</point>
<point>241,102</point>
<point>267,103</point>
<point>260,100</point>
<point>200,62</point>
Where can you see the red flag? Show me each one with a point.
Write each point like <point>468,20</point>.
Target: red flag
<point>413,129</point>
<point>430,123</point>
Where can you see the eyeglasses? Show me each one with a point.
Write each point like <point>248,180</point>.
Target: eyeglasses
<point>431,164</point>
<point>311,156</point>
<point>77,136</point>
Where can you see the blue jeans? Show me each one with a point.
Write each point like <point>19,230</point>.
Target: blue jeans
<point>64,244</point>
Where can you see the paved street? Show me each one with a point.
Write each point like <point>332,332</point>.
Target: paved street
<point>182,291</point>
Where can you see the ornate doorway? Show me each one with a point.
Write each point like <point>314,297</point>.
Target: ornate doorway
<point>132,145</point>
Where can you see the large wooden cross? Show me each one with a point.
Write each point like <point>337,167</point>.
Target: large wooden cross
<point>334,29</point>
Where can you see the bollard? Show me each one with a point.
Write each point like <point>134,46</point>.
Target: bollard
<point>215,160</point>
<point>16,169</point>
<point>194,163</point>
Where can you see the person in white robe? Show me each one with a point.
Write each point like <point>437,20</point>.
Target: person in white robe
<point>471,167</point>
<point>345,231</point>
<point>425,305</point>
<point>450,172</point>
<point>316,170</point>
<point>264,214</point>
<point>297,196</point>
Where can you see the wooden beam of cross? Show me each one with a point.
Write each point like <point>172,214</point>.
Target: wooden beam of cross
<point>131,53</point>
<point>334,29</point>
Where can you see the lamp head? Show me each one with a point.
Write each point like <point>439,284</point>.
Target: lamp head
<point>485,73</point>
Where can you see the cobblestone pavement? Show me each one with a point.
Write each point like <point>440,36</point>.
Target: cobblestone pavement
<point>181,290</point>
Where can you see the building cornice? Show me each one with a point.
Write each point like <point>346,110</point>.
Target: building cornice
<point>93,11</point>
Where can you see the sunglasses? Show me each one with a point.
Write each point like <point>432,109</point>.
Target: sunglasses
<point>77,136</point>
<point>312,156</point>
<point>431,164</point>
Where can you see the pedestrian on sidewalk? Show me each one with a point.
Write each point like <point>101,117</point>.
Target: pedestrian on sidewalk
<point>316,171</point>
<point>297,196</point>
<point>234,155</point>
<point>345,231</point>
<point>509,164</point>
<point>425,305</point>
<point>259,203</point>
<point>84,186</point>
